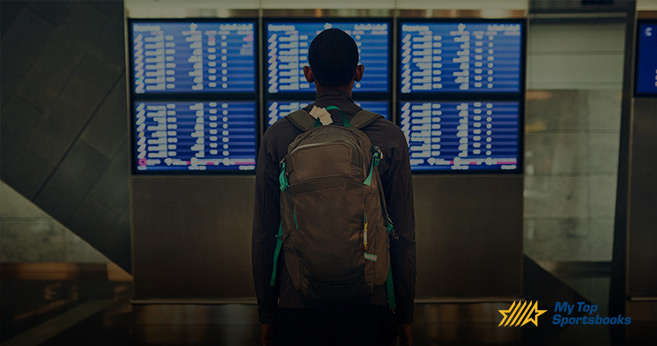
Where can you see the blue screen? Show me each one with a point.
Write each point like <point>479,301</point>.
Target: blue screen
<point>192,136</point>
<point>451,136</point>
<point>460,57</point>
<point>646,77</point>
<point>279,109</point>
<point>287,54</point>
<point>177,57</point>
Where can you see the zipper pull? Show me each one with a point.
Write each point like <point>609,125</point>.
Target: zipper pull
<point>378,150</point>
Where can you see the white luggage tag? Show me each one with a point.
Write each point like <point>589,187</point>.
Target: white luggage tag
<point>323,115</point>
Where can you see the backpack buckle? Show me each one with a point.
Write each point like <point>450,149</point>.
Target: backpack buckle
<point>377,150</point>
<point>391,229</point>
<point>377,155</point>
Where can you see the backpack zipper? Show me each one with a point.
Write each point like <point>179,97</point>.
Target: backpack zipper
<point>306,146</point>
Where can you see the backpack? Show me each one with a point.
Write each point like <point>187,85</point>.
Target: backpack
<point>335,230</point>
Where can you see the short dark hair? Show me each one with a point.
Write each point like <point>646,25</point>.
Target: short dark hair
<point>333,57</point>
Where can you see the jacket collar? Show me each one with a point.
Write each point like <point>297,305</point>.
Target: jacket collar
<point>334,94</point>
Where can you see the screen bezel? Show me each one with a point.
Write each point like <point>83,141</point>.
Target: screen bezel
<point>518,96</point>
<point>256,86</point>
<point>456,95</point>
<point>192,96</point>
<point>133,140</point>
<point>637,49</point>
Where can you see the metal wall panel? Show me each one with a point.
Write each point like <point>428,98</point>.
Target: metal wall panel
<point>191,236</point>
<point>469,236</point>
<point>635,230</point>
<point>642,230</point>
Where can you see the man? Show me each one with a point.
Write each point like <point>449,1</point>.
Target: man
<point>285,319</point>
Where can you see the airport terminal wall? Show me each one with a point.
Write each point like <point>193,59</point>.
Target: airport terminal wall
<point>66,147</point>
<point>65,144</point>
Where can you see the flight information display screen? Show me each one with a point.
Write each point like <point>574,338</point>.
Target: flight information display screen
<point>457,136</point>
<point>279,109</point>
<point>287,54</point>
<point>646,69</point>
<point>195,136</point>
<point>460,57</point>
<point>193,57</point>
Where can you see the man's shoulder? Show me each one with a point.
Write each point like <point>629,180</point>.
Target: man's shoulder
<point>389,131</point>
<point>281,127</point>
<point>386,124</point>
<point>278,136</point>
<point>382,129</point>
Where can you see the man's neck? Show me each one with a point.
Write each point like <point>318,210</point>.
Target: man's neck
<point>323,90</point>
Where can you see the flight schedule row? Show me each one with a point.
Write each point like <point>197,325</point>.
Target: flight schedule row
<point>461,135</point>
<point>181,136</point>
<point>178,57</point>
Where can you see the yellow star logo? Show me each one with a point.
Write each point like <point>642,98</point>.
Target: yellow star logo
<point>521,313</point>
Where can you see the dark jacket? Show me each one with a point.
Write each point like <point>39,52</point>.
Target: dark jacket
<point>396,179</point>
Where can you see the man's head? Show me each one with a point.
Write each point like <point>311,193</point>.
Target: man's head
<point>333,58</point>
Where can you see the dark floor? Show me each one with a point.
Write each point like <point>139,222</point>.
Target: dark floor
<point>98,312</point>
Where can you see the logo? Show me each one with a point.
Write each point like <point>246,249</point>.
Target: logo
<point>521,313</point>
<point>583,313</point>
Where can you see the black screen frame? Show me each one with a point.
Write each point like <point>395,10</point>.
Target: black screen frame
<point>256,53</point>
<point>521,140</point>
<point>478,96</point>
<point>468,94</point>
<point>192,96</point>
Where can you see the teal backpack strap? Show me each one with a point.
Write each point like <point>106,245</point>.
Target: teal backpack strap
<point>284,184</point>
<point>277,253</point>
<point>376,159</point>
<point>364,118</point>
<point>301,120</point>
<point>345,120</point>
<point>304,121</point>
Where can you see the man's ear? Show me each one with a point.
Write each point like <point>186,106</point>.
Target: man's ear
<point>358,74</point>
<point>308,72</point>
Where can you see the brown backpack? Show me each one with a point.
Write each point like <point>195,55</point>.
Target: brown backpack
<point>335,229</point>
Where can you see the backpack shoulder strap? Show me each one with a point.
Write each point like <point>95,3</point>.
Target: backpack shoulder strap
<point>304,121</point>
<point>301,120</point>
<point>364,118</point>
